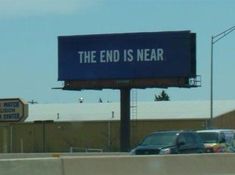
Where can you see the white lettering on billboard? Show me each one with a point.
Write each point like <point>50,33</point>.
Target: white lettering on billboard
<point>126,55</point>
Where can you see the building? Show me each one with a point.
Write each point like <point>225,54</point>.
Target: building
<point>95,126</point>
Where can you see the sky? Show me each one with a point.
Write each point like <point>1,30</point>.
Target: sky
<point>29,31</point>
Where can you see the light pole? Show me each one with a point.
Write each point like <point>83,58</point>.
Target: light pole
<point>215,39</point>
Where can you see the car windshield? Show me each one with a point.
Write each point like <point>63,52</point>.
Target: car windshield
<point>161,138</point>
<point>209,137</point>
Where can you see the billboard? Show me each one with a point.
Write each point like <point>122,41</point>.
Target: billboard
<point>13,110</point>
<point>127,56</point>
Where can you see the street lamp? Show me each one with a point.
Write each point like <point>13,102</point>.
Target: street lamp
<point>215,39</point>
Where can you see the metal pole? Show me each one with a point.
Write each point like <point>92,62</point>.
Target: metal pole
<point>11,139</point>
<point>109,135</point>
<point>211,86</point>
<point>125,120</point>
<point>21,145</point>
<point>43,137</point>
<point>215,39</point>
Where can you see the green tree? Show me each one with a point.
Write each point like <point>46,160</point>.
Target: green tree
<point>163,96</point>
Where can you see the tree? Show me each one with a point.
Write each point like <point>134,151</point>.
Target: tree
<point>163,96</point>
<point>100,100</point>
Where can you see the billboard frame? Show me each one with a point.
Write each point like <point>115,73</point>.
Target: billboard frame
<point>151,80</point>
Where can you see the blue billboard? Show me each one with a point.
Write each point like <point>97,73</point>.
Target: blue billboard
<point>127,56</point>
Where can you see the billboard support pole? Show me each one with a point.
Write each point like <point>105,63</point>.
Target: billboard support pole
<point>125,120</point>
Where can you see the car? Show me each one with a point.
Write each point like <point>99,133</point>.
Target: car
<point>218,140</point>
<point>170,142</point>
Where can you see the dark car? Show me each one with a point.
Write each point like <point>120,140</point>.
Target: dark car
<point>170,142</point>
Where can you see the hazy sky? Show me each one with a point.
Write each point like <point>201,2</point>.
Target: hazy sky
<point>29,31</point>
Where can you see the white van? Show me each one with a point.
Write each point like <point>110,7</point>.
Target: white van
<point>218,140</point>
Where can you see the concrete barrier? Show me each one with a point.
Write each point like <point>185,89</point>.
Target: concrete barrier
<point>31,166</point>
<point>44,155</point>
<point>203,164</point>
<point>25,155</point>
<point>200,164</point>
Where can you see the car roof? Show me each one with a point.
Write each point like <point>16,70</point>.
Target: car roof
<point>216,130</point>
<point>172,131</point>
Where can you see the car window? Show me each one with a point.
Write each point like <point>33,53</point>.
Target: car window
<point>181,138</point>
<point>164,138</point>
<point>209,137</point>
<point>190,138</point>
<point>229,136</point>
<point>233,140</point>
<point>222,137</point>
<point>198,139</point>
